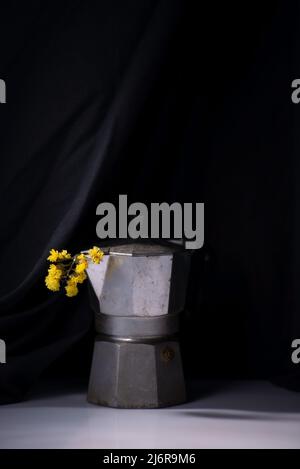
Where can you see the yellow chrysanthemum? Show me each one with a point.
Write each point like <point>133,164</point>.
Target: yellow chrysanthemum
<point>73,273</point>
<point>80,278</point>
<point>55,272</point>
<point>52,283</point>
<point>71,287</point>
<point>80,268</point>
<point>96,254</point>
<point>53,255</point>
<point>59,256</point>
<point>81,257</point>
<point>53,278</point>
<point>64,255</point>
<point>81,265</point>
<point>71,290</point>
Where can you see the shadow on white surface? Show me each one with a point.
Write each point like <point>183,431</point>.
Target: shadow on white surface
<point>232,415</point>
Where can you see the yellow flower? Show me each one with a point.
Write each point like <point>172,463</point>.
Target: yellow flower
<point>80,278</point>
<point>64,255</point>
<point>59,256</point>
<point>80,268</point>
<point>71,290</point>
<point>53,255</point>
<point>74,273</point>
<point>55,272</point>
<point>77,278</point>
<point>96,254</point>
<point>81,264</point>
<point>71,287</point>
<point>53,278</point>
<point>52,283</point>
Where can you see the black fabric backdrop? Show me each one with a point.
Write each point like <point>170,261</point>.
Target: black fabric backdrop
<point>162,100</point>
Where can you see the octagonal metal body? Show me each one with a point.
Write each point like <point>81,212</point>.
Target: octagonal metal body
<point>137,292</point>
<point>140,280</point>
<point>136,375</point>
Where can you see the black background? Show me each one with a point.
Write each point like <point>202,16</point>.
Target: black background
<point>163,100</point>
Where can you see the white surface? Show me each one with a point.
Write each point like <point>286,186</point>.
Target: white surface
<point>228,415</point>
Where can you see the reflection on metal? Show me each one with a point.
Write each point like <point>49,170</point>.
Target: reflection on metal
<point>137,292</point>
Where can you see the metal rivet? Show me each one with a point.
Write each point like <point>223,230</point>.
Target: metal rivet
<point>167,354</point>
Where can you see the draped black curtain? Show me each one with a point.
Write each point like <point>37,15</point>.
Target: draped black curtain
<point>163,100</point>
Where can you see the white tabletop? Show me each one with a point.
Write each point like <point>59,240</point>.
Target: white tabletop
<point>221,415</point>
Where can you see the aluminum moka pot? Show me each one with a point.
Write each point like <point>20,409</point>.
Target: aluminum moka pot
<point>138,291</point>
